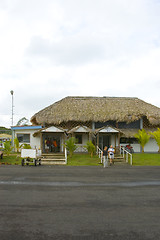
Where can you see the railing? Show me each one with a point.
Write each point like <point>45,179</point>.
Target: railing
<point>65,151</point>
<point>124,152</point>
<point>99,153</point>
<point>81,149</point>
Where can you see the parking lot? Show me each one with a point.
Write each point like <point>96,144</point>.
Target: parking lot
<point>64,202</point>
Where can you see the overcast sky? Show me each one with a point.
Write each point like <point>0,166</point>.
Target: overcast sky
<point>50,49</point>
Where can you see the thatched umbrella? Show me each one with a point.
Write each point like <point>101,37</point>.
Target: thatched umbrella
<point>5,136</point>
<point>97,109</point>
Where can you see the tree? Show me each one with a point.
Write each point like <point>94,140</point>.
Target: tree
<point>142,137</point>
<point>156,136</point>
<point>70,145</point>
<point>5,130</point>
<point>90,147</point>
<point>23,121</point>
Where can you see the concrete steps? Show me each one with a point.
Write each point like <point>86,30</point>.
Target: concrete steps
<point>53,159</point>
<point>118,158</point>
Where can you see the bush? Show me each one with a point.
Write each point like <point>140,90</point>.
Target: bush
<point>90,147</point>
<point>26,146</point>
<point>70,145</point>
<point>7,147</point>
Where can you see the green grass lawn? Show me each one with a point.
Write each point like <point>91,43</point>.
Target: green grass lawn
<point>13,159</point>
<point>139,159</point>
<point>146,159</point>
<point>83,160</point>
<point>76,160</point>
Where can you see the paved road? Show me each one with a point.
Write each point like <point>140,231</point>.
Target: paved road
<point>62,202</point>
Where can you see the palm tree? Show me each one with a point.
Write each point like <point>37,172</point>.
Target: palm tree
<point>156,136</point>
<point>142,137</point>
<point>7,147</point>
<point>16,142</point>
<point>70,145</point>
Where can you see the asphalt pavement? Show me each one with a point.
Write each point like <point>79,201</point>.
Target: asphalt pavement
<point>91,202</point>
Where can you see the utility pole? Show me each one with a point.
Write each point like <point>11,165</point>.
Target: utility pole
<point>12,106</point>
<point>12,119</point>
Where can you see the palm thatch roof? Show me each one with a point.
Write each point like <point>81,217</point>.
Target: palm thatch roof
<point>130,133</point>
<point>4,136</point>
<point>97,109</point>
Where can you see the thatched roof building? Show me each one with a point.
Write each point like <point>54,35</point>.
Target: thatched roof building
<point>97,109</point>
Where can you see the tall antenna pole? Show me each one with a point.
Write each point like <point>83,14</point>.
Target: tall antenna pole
<point>12,105</point>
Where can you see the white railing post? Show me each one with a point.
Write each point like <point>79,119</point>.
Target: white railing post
<point>127,157</point>
<point>65,155</point>
<point>99,152</point>
<point>127,153</point>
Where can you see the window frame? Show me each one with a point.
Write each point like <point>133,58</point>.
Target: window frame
<point>24,140</point>
<point>79,138</point>
<point>128,140</point>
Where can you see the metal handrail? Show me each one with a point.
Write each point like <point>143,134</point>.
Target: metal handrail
<point>127,153</point>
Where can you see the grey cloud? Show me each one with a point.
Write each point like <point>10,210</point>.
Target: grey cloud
<point>66,52</point>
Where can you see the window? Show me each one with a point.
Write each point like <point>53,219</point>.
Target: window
<point>133,125</point>
<point>79,138</point>
<point>123,140</point>
<point>23,138</point>
<point>128,140</point>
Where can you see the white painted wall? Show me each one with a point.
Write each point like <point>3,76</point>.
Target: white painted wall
<point>85,138</point>
<point>113,140</point>
<point>34,141</point>
<point>151,146</point>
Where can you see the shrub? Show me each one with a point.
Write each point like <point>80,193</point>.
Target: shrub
<point>90,147</point>
<point>70,145</point>
<point>26,146</point>
<point>7,147</point>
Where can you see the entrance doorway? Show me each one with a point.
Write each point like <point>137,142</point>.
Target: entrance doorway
<point>51,143</point>
<point>104,140</point>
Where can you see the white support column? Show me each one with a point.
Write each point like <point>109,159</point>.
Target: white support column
<point>93,129</point>
<point>141,123</point>
<point>93,126</point>
<point>141,127</point>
